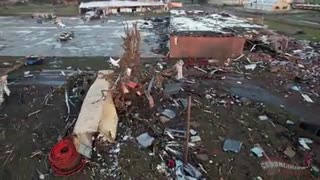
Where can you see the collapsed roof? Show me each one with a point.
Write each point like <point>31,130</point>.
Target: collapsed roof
<point>200,23</point>
<point>115,3</point>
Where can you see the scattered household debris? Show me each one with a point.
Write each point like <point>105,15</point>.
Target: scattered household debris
<point>186,171</point>
<point>164,119</point>
<point>172,88</point>
<point>145,140</point>
<point>296,88</point>
<point>34,60</point>
<point>115,62</point>
<point>289,152</point>
<point>203,157</point>
<point>27,74</point>
<point>289,122</point>
<point>172,133</point>
<point>141,95</point>
<point>315,171</point>
<point>41,176</point>
<point>195,138</point>
<point>304,143</point>
<point>307,98</point>
<point>168,113</point>
<point>58,22</point>
<point>43,16</point>
<point>91,15</point>
<point>232,145</point>
<point>250,66</point>
<point>258,151</point>
<point>193,132</point>
<point>263,117</point>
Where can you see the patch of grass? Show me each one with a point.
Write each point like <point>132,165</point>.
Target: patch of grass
<point>66,10</point>
<point>310,34</point>
<point>314,1</point>
<point>29,9</point>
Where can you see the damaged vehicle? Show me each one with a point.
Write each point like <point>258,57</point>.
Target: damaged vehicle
<point>66,36</point>
<point>34,60</point>
<point>91,15</point>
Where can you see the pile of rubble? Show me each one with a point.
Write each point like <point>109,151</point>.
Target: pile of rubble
<point>40,17</point>
<point>152,106</point>
<point>161,106</point>
<point>182,119</point>
<point>91,15</point>
<point>296,62</point>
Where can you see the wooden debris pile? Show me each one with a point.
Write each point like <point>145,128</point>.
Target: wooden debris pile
<point>127,83</point>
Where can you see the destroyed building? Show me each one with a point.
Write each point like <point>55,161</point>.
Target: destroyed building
<point>268,5</point>
<point>201,35</point>
<point>226,2</point>
<point>110,111</point>
<point>114,6</point>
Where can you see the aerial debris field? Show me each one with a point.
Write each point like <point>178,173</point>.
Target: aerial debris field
<point>186,95</point>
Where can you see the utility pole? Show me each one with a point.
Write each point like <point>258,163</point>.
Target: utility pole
<point>186,145</point>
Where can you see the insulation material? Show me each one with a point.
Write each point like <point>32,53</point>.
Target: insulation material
<point>97,114</point>
<point>109,119</point>
<point>3,88</point>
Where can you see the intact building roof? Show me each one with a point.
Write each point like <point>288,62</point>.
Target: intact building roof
<point>200,23</point>
<point>115,3</point>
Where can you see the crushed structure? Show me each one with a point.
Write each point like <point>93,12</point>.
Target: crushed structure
<point>114,6</point>
<point>226,2</point>
<point>268,5</point>
<point>196,34</point>
<point>253,117</point>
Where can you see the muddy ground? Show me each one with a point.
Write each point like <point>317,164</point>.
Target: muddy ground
<point>231,112</point>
